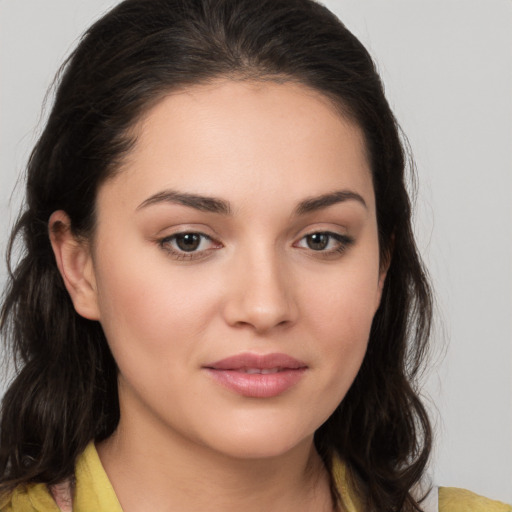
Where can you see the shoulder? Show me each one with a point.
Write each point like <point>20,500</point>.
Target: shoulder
<point>90,491</point>
<point>29,498</point>
<point>452,499</point>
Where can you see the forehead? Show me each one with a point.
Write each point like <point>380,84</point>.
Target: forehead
<point>231,137</point>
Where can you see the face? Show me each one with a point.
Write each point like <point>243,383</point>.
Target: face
<point>235,266</point>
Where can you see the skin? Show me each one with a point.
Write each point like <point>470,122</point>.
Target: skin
<point>254,284</point>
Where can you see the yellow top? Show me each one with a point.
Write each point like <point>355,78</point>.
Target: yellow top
<point>94,493</point>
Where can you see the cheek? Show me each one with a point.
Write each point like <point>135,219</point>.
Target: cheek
<point>340,316</point>
<point>345,302</point>
<point>146,303</point>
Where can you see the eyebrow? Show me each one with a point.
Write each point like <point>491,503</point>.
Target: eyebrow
<point>198,202</point>
<point>318,203</point>
<point>220,206</point>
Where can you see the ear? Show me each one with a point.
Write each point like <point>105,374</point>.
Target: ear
<point>74,260</point>
<point>382,278</point>
<point>384,267</point>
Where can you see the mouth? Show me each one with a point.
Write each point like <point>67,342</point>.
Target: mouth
<point>260,371</point>
<point>257,376</point>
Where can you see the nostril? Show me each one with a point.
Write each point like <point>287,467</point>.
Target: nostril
<point>259,295</point>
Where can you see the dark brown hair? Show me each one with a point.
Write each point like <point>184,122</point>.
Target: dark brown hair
<point>65,392</point>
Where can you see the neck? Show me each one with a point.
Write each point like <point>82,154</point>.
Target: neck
<point>152,468</point>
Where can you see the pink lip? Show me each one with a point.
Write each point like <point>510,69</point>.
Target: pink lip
<point>232,373</point>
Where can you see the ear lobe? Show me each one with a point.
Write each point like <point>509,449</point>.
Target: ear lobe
<point>75,265</point>
<point>383,270</point>
<point>382,280</point>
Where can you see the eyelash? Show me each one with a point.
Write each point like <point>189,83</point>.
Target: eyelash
<point>168,244</point>
<point>343,242</point>
<point>182,255</point>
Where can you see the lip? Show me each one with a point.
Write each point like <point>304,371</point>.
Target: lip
<point>257,376</point>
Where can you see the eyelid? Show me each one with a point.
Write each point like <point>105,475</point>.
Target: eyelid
<point>344,242</point>
<point>165,243</point>
<point>168,230</point>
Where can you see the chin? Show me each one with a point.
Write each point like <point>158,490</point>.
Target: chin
<point>259,449</point>
<point>255,442</point>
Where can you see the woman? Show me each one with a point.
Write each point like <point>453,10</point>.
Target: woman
<point>221,304</point>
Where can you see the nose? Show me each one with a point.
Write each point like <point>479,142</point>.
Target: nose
<point>261,293</point>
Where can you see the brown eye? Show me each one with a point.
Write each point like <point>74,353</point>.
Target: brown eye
<point>189,245</point>
<point>188,242</point>
<point>325,243</point>
<point>318,241</point>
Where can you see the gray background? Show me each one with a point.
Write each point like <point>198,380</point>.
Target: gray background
<point>447,69</point>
